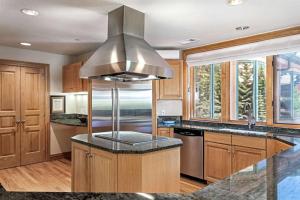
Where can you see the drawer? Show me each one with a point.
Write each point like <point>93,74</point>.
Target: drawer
<point>222,138</point>
<point>247,141</point>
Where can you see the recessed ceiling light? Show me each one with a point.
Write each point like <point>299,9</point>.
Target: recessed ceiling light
<point>242,28</point>
<point>234,2</point>
<point>29,12</point>
<point>25,44</point>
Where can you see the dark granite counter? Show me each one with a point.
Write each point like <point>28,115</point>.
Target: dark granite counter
<point>220,129</point>
<point>70,119</point>
<point>117,147</point>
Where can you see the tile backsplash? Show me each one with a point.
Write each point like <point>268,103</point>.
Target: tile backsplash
<point>169,108</point>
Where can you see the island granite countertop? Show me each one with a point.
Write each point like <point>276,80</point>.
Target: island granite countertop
<point>276,178</point>
<point>117,147</point>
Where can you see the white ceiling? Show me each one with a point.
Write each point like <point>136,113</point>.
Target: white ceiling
<point>167,22</point>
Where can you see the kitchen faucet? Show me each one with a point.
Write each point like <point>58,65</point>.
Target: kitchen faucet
<point>250,117</point>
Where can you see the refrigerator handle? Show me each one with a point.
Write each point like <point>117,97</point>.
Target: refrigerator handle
<point>118,109</point>
<point>113,110</point>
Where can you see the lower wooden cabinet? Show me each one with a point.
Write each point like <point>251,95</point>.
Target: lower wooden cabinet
<point>80,168</point>
<point>226,154</point>
<point>95,170</point>
<point>105,179</point>
<point>166,132</point>
<point>243,157</point>
<point>217,161</point>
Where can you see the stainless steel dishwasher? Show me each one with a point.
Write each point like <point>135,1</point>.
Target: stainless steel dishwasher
<point>192,152</point>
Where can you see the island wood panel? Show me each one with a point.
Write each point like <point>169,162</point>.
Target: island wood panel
<point>136,173</point>
<point>243,157</point>
<point>9,116</point>
<point>32,115</point>
<point>80,168</point>
<point>217,161</point>
<point>172,88</point>
<point>104,171</point>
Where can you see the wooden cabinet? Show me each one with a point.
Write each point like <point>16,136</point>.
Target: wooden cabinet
<point>103,171</point>
<point>226,154</point>
<point>166,132</point>
<point>71,78</point>
<point>243,157</point>
<point>95,170</point>
<point>80,168</point>
<point>172,88</point>
<point>275,146</point>
<point>217,164</point>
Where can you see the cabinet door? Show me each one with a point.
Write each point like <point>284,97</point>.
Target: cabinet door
<point>242,157</point>
<point>163,132</point>
<point>172,88</point>
<point>80,168</point>
<point>9,116</point>
<point>33,131</point>
<point>71,78</point>
<point>103,171</point>
<point>217,161</point>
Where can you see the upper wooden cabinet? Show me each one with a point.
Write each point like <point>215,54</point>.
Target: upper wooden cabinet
<point>172,88</point>
<point>71,78</point>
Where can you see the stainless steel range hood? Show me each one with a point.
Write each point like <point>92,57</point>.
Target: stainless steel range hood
<point>125,55</point>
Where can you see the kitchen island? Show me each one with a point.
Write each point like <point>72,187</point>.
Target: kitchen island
<point>134,162</point>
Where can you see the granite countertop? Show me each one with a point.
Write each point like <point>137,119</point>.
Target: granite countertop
<point>70,122</point>
<point>219,129</point>
<point>69,119</point>
<point>277,178</point>
<point>117,147</point>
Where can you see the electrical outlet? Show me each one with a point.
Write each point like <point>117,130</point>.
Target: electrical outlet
<point>163,112</point>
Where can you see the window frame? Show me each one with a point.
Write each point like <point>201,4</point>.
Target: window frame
<point>255,64</point>
<point>192,95</point>
<point>275,103</point>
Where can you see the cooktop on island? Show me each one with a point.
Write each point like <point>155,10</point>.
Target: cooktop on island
<point>129,137</point>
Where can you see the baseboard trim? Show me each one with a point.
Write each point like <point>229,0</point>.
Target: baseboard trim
<point>66,155</point>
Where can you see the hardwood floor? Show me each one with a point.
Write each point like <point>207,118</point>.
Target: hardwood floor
<point>55,176</point>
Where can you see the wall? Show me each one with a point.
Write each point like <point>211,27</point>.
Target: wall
<point>169,108</point>
<point>55,61</point>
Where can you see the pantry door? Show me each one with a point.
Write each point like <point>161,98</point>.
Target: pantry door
<point>33,131</point>
<point>9,116</point>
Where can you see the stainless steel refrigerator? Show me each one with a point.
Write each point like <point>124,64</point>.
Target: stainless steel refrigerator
<point>121,106</point>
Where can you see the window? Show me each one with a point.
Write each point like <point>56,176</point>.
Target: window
<point>207,91</point>
<point>287,88</point>
<point>248,89</point>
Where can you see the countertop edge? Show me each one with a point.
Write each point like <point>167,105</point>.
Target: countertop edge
<point>126,151</point>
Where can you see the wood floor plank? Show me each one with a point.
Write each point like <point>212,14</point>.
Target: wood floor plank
<point>55,176</point>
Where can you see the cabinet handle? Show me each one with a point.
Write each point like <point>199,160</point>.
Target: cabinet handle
<point>87,154</point>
